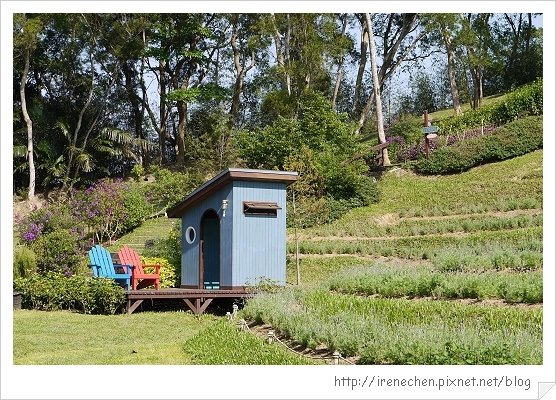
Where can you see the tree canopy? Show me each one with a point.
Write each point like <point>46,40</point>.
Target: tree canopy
<point>96,94</point>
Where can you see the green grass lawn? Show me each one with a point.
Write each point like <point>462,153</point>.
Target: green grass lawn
<point>63,337</point>
<point>153,338</point>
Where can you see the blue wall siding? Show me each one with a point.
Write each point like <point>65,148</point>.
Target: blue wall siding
<point>190,252</point>
<point>259,243</point>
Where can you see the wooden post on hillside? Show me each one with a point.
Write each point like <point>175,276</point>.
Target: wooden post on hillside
<point>429,131</point>
<point>426,124</point>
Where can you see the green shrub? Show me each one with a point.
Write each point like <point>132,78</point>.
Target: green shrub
<point>136,207</point>
<point>524,101</point>
<point>169,274</point>
<point>327,187</point>
<point>57,251</point>
<point>170,187</point>
<point>169,249</point>
<point>137,172</point>
<point>55,291</point>
<point>25,262</point>
<point>514,139</point>
<point>409,128</point>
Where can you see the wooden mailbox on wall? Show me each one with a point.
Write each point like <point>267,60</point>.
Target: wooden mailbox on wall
<point>234,230</point>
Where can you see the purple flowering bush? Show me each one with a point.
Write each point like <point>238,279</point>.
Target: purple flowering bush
<point>108,208</point>
<point>57,251</point>
<point>45,220</point>
<point>61,233</point>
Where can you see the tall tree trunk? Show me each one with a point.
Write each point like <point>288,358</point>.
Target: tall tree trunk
<point>73,142</point>
<point>29,124</point>
<point>241,72</point>
<point>376,91</point>
<point>391,59</point>
<point>145,156</point>
<point>361,69</point>
<point>182,126</point>
<point>281,53</point>
<point>133,98</point>
<point>339,73</point>
<point>452,72</point>
<point>162,132</point>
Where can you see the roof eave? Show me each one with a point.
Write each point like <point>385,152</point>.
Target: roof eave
<point>224,178</point>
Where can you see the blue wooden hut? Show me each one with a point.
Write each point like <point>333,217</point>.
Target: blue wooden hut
<point>234,230</point>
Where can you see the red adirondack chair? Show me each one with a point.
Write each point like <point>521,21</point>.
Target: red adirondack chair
<point>139,279</point>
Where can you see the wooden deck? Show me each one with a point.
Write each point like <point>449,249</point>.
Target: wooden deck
<point>196,299</point>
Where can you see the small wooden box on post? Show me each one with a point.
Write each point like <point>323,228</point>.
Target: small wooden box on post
<point>430,133</point>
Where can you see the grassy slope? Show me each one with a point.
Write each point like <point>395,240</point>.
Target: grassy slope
<point>449,112</point>
<point>65,338</point>
<point>151,229</point>
<point>412,200</point>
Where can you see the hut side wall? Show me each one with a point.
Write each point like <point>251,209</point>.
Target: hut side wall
<point>258,244</point>
<point>190,252</point>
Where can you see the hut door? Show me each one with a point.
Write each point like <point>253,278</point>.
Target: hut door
<point>209,274</point>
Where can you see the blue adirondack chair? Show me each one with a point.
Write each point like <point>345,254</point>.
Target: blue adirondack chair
<point>101,262</point>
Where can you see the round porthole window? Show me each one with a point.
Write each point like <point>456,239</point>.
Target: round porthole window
<point>190,235</point>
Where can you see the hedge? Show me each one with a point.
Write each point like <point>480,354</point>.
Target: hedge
<point>511,140</point>
<point>55,291</point>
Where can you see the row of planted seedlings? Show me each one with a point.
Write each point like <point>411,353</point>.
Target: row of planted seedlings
<point>392,226</point>
<point>518,241</point>
<point>397,282</point>
<point>402,331</point>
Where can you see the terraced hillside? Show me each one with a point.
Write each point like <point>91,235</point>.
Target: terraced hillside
<point>444,270</point>
<point>487,218</point>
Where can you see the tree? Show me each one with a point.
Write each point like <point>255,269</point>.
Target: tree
<point>376,91</point>
<point>246,45</point>
<point>401,35</point>
<point>25,41</point>
<point>445,30</point>
<point>476,38</point>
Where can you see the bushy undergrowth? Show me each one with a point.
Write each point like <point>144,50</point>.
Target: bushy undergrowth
<point>25,262</point>
<point>223,344</point>
<point>168,248</point>
<point>54,291</point>
<point>398,331</point>
<point>169,274</point>
<point>57,251</point>
<point>513,139</point>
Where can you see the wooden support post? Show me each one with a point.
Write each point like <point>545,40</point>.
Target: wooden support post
<point>205,305</point>
<point>133,307</point>
<point>425,124</point>
<point>190,305</point>
<point>199,306</point>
